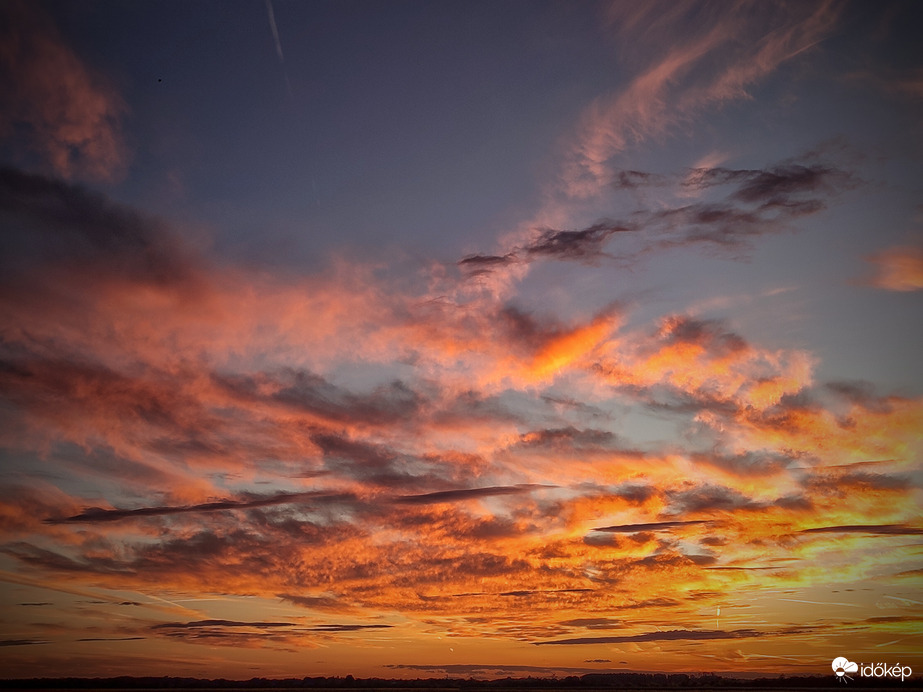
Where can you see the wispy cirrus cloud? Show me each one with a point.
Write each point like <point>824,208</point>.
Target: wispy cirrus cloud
<point>22,642</point>
<point>877,529</point>
<point>466,494</point>
<point>649,526</point>
<point>717,53</point>
<point>670,635</point>
<point>97,514</point>
<point>755,203</point>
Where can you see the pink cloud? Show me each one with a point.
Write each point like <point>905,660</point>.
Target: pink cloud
<point>55,104</point>
<point>898,268</point>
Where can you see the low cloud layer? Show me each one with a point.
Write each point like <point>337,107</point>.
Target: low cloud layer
<point>487,470</point>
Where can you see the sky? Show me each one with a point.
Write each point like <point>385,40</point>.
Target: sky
<point>426,339</point>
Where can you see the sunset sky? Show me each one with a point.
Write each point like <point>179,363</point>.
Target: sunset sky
<point>415,338</point>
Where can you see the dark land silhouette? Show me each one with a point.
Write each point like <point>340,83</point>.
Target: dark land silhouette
<point>590,681</point>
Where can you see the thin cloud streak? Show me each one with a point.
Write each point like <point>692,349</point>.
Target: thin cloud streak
<point>673,89</point>
<point>670,635</point>
<point>652,526</point>
<point>467,494</point>
<point>275,37</point>
<point>758,202</point>
<point>96,514</point>
<point>879,529</point>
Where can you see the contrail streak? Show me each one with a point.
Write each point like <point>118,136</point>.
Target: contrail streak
<point>275,36</point>
<point>275,31</point>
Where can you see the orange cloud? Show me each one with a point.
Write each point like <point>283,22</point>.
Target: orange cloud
<point>703,360</point>
<point>898,269</point>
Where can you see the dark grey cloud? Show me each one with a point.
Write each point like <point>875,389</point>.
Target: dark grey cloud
<point>522,592</point>
<point>748,463</point>
<point>709,498</point>
<point>310,393</point>
<point>468,494</point>
<point>338,627</point>
<point>720,225</point>
<point>314,602</point>
<point>585,245</point>
<point>342,448</point>
<point>48,559</point>
<point>233,624</point>
<point>588,438</point>
<point>478,265</point>
<point>632,180</point>
<point>474,563</point>
<point>47,221</point>
<point>875,529</point>
<point>195,624</point>
<point>602,540</point>
<point>580,407</point>
<point>663,398</point>
<point>758,202</point>
<point>375,463</point>
<point>110,639</point>
<point>525,330</point>
<point>22,642</point>
<point>651,526</point>
<point>862,394</point>
<point>459,524</point>
<point>469,406</point>
<point>670,635</point>
<point>230,632</point>
<point>636,494</point>
<point>714,540</point>
<point>529,333</point>
<point>711,335</point>
<point>96,514</point>
<point>847,400</point>
<point>795,503</point>
<point>777,186</point>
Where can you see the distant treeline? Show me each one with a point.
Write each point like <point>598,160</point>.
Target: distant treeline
<point>590,681</point>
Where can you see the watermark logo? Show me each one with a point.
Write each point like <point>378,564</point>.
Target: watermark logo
<point>842,666</point>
